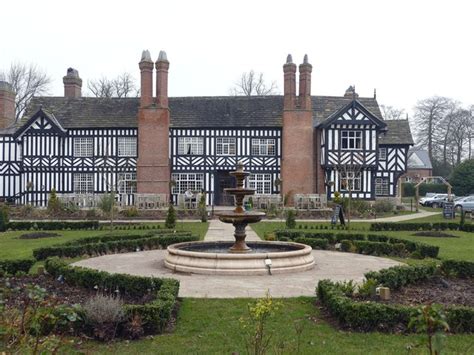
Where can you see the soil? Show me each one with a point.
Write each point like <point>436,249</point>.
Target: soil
<point>436,234</point>
<point>63,293</point>
<point>449,291</point>
<point>38,235</point>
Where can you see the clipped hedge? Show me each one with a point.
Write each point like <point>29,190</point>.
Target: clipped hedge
<point>459,268</point>
<point>374,316</point>
<point>396,277</point>
<point>390,226</point>
<point>13,266</point>
<point>52,225</point>
<point>313,242</point>
<point>364,244</point>
<point>155,314</point>
<point>121,245</point>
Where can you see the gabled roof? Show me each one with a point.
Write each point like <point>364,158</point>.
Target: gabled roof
<point>186,112</point>
<point>351,106</point>
<point>55,125</point>
<point>398,132</point>
<point>419,159</point>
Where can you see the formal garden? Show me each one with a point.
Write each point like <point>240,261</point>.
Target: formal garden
<point>51,306</point>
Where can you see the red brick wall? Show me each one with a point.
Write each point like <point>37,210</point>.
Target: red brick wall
<point>417,174</point>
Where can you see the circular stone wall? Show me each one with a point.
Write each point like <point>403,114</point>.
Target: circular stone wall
<point>182,258</point>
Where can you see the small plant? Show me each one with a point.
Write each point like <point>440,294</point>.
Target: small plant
<point>258,340</point>
<point>431,321</point>
<point>133,329</point>
<point>4,218</point>
<point>337,198</point>
<point>347,287</point>
<point>367,289</point>
<point>170,222</point>
<point>202,208</point>
<point>131,212</point>
<point>54,204</point>
<point>104,314</point>
<point>290,219</point>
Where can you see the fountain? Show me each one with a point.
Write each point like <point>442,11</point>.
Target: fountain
<point>239,258</point>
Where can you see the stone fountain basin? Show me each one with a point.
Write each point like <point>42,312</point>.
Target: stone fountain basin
<point>239,217</point>
<point>211,258</point>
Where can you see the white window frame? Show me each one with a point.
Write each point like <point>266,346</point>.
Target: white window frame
<point>351,140</point>
<point>262,183</point>
<point>382,153</point>
<point>187,181</point>
<point>225,146</point>
<point>83,147</point>
<point>127,183</point>
<point>190,145</point>
<point>382,186</point>
<point>263,146</point>
<point>353,179</point>
<point>83,183</point>
<point>127,146</point>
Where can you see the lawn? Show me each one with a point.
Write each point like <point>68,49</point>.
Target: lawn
<point>11,247</point>
<point>211,326</point>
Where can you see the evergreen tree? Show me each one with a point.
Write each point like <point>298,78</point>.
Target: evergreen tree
<point>4,218</point>
<point>170,217</point>
<point>462,178</point>
<point>290,219</point>
<point>54,205</point>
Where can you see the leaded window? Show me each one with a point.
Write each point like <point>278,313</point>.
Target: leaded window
<point>350,180</point>
<point>83,147</point>
<point>127,183</point>
<point>190,145</point>
<point>351,140</point>
<point>225,146</point>
<point>381,186</point>
<point>83,183</point>
<point>127,146</point>
<point>262,183</point>
<point>187,181</point>
<point>382,153</point>
<point>263,146</point>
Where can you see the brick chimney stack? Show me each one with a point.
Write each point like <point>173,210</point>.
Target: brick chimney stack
<point>305,84</point>
<point>289,90</point>
<point>146,79</point>
<point>7,105</point>
<point>72,84</point>
<point>162,65</point>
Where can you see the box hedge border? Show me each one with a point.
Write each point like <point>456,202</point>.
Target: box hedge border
<point>363,244</point>
<point>112,245</point>
<point>52,225</point>
<point>374,316</point>
<point>13,266</point>
<point>155,314</point>
<point>407,226</point>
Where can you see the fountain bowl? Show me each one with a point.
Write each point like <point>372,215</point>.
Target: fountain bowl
<point>213,258</point>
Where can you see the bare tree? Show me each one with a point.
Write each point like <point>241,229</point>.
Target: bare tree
<point>392,113</point>
<point>459,135</point>
<point>122,86</point>
<point>429,113</point>
<point>251,84</point>
<point>27,80</point>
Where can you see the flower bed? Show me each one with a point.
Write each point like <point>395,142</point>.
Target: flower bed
<point>371,316</point>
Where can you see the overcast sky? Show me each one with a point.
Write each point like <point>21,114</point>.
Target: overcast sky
<point>407,50</point>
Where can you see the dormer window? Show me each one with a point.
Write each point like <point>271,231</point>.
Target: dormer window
<point>351,140</point>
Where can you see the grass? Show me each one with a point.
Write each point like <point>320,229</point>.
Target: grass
<point>11,247</point>
<point>211,326</point>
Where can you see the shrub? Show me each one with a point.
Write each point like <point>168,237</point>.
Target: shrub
<point>346,245</point>
<point>53,225</point>
<point>170,217</point>
<point>202,208</point>
<point>4,218</point>
<point>349,236</point>
<point>131,212</point>
<point>313,243</point>
<point>16,265</point>
<point>459,268</point>
<point>104,314</point>
<point>54,205</point>
<point>290,219</point>
<point>398,276</point>
<point>91,213</point>
<point>367,289</point>
<point>38,235</point>
<point>384,205</point>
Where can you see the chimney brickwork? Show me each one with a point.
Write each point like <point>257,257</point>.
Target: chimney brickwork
<point>72,84</point>
<point>7,105</point>
<point>297,169</point>
<point>153,166</point>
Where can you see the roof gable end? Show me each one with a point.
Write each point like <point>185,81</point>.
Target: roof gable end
<point>354,113</point>
<point>41,121</point>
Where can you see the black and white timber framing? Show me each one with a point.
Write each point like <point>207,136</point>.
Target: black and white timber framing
<point>39,155</point>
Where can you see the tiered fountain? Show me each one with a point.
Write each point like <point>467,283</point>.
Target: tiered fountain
<point>239,258</point>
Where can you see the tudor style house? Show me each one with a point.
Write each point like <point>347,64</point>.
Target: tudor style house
<point>160,146</point>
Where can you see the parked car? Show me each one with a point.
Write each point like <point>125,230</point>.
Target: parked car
<point>436,200</point>
<point>466,204</point>
<point>427,196</point>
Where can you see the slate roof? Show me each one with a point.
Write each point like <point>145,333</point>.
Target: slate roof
<point>423,157</point>
<point>398,132</point>
<point>190,112</point>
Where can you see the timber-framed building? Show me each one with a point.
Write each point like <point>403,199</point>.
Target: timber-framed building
<point>294,143</point>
